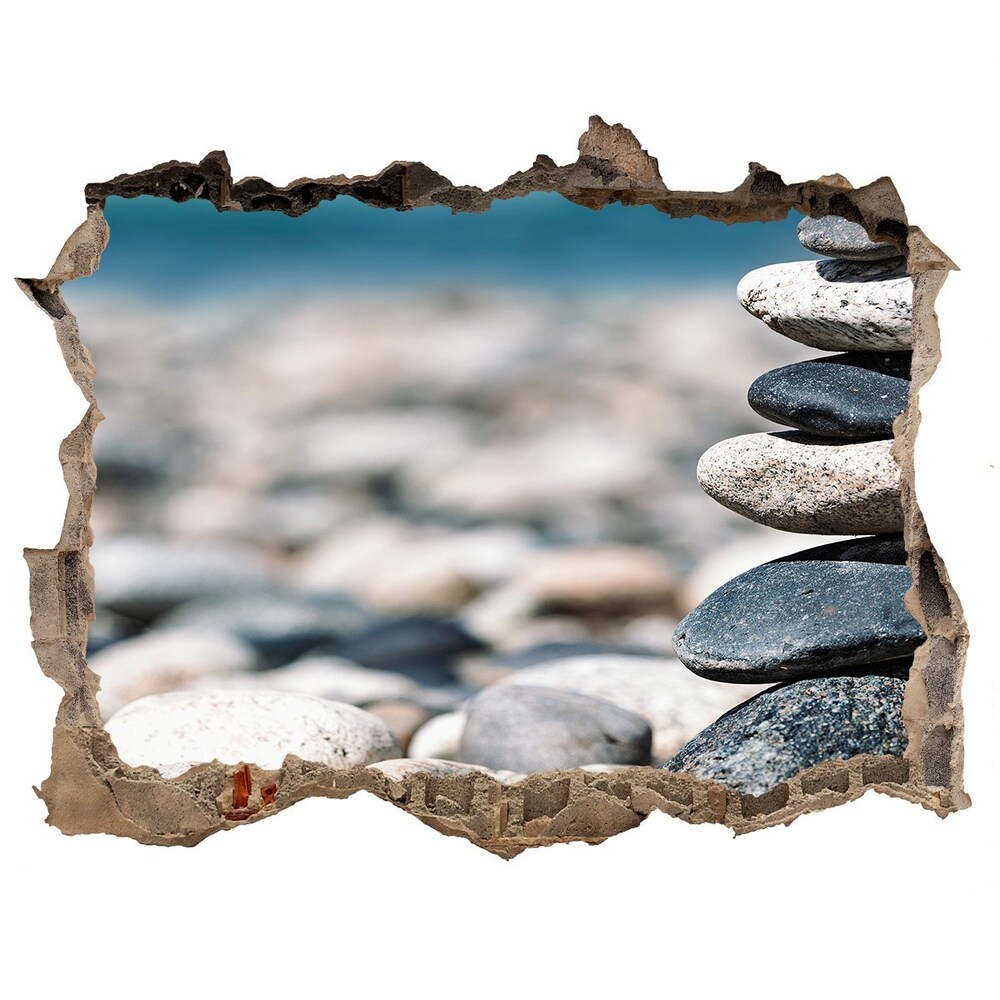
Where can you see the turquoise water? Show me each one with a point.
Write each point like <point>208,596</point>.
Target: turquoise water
<point>177,251</point>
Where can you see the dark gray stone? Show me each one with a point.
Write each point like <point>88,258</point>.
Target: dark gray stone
<point>423,648</point>
<point>784,730</point>
<point>833,236</point>
<point>855,395</point>
<point>872,549</point>
<point>530,729</point>
<point>281,625</point>
<point>795,619</point>
<point>108,628</point>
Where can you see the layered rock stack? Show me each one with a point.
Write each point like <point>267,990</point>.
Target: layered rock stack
<point>827,624</point>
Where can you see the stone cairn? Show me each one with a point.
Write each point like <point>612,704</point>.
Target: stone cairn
<point>827,625</point>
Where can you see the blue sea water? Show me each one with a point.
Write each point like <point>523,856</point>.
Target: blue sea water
<point>172,252</point>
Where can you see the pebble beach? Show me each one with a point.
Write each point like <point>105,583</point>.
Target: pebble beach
<point>451,527</point>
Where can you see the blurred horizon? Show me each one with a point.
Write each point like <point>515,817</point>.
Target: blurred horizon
<point>172,251</point>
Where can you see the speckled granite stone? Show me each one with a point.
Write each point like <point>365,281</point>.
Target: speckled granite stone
<point>796,482</point>
<point>834,305</point>
<point>853,396</point>
<point>790,620</point>
<point>786,729</point>
<point>833,236</point>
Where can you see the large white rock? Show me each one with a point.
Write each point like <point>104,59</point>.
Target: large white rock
<point>676,703</point>
<point>258,727</point>
<point>834,305</point>
<point>797,482</point>
<point>171,660</point>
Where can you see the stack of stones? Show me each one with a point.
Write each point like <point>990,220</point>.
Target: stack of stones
<point>827,624</point>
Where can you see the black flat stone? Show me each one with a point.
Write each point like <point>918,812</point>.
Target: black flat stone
<point>423,648</point>
<point>796,619</point>
<point>833,236</point>
<point>855,396</point>
<point>782,731</point>
<point>870,548</point>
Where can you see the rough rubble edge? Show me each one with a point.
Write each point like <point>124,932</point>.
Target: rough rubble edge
<point>90,790</point>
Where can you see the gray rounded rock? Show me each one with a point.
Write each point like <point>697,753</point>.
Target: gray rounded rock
<point>853,396</point>
<point>833,236</point>
<point>674,702</point>
<point>531,729</point>
<point>142,576</point>
<point>777,734</point>
<point>797,482</point>
<point>834,305</point>
<point>790,620</point>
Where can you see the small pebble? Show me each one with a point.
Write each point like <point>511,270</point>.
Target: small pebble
<point>439,736</point>
<point>833,236</point>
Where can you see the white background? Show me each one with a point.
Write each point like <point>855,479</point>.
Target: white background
<point>356,898</point>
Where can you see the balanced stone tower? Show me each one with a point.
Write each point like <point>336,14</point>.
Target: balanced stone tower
<point>827,625</point>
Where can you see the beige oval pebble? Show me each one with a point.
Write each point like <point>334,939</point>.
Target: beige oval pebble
<point>258,727</point>
<point>171,660</point>
<point>605,579</point>
<point>834,305</point>
<point>796,482</point>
